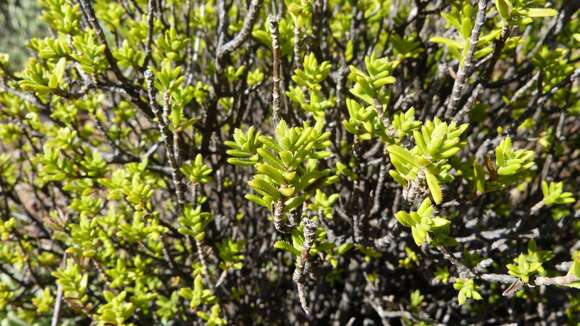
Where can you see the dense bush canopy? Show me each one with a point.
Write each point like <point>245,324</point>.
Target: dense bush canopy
<point>168,162</point>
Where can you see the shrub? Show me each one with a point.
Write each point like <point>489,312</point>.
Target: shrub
<point>281,162</point>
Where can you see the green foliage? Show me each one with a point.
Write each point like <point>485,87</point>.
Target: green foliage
<point>243,149</point>
<point>43,301</point>
<point>196,171</point>
<point>231,253</point>
<point>116,311</point>
<point>74,283</point>
<point>529,264</point>
<point>404,123</point>
<point>323,203</point>
<point>213,318</point>
<point>416,299</point>
<point>90,53</point>
<point>575,270</point>
<point>461,18</point>
<point>145,176</point>
<point>363,122</point>
<point>428,161</point>
<point>512,165</point>
<point>422,222</point>
<point>287,164</point>
<point>467,290</point>
<point>62,16</point>
<point>442,274</point>
<point>554,66</point>
<point>40,80</point>
<point>554,194</point>
<point>519,12</point>
<point>128,56</point>
<point>371,87</point>
<point>309,79</point>
<point>193,222</point>
<point>411,259</point>
<point>198,295</point>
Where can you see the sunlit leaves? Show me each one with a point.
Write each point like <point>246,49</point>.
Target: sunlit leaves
<point>194,221</point>
<point>308,93</point>
<point>512,163</point>
<point>89,53</point>
<point>462,19</point>
<point>286,164</point>
<point>198,295</point>
<point>575,269</point>
<point>371,86</point>
<point>363,121</point>
<point>529,264</point>
<point>127,56</point>
<point>62,16</point>
<point>436,142</point>
<point>197,171</point>
<point>168,78</point>
<point>243,149</point>
<point>116,311</point>
<point>504,7</point>
<point>422,222</point>
<point>467,290</point>
<point>404,122</point>
<point>554,194</point>
<point>73,281</point>
<point>170,45</point>
<point>554,65</point>
<point>438,139</point>
<point>324,203</point>
<point>232,254</point>
<point>520,12</point>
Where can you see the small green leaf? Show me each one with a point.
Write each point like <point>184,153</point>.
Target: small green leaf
<point>541,12</point>
<point>419,235</point>
<point>404,218</point>
<point>59,70</point>
<point>504,7</point>
<point>287,247</point>
<point>434,187</point>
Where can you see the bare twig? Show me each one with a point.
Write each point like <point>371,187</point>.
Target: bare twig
<point>58,301</point>
<point>469,104</point>
<point>558,280</point>
<point>464,271</point>
<point>150,21</point>
<point>276,70</point>
<point>377,195</point>
<point>468,61</point>
<point>166,135</point>
<point>297,60</point>
<point>244,33</point>
<point>301,261</point>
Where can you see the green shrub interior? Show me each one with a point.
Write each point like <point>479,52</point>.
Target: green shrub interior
<point>287,162</point>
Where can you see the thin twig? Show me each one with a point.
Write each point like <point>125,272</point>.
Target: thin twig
<point>296,44</point>
<point>150,21</point>
<point>377,195</point>
<point>58,301</point>
<point>166,137</point>
<point>276,73</point>
<point>244,33</point>
<point>469,104</point>
<point>468,61</point>
<point>89,12</point>
<point>558,280</point>
<point>301,262</point>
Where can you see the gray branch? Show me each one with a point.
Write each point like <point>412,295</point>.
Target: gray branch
<point>244,33</point>
<point>468,61</point>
